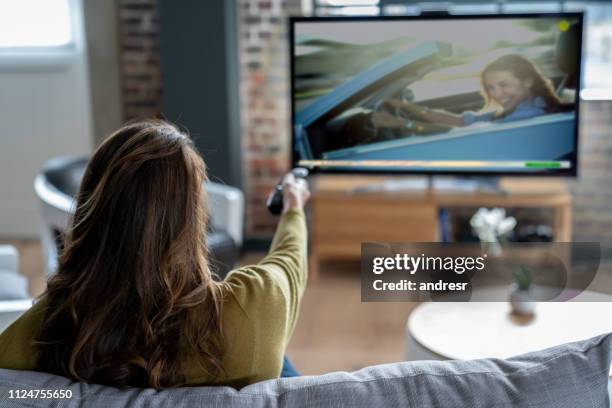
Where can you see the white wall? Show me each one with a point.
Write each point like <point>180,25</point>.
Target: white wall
<point>45,112</point>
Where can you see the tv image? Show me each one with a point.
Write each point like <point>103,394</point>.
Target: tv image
<point>494,94</point>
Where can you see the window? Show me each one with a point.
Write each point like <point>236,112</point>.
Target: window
<point>27,25</point>
<point>597,50</point>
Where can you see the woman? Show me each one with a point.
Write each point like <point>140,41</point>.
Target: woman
<point>512,87</point>
<point>133,302</point>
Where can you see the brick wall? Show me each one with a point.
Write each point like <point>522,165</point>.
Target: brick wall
<point>592,191</point>
<point>264,92</point>
<point>139,49</point>
<point>264,89</point>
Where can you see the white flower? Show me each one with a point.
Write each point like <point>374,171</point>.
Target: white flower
<point>489,225</point>
<point>506,225</point>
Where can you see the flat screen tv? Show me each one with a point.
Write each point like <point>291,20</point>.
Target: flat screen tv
<point>464,94</point>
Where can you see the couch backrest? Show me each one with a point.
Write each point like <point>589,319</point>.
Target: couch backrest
<point>571,375</point>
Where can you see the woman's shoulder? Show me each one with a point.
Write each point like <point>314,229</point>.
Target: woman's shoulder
<point>17,349</point>
<point>255,284</point>
<point>255,312</point>
<point>528,109</point>
<point>254,298</point>
<point>29,322</point>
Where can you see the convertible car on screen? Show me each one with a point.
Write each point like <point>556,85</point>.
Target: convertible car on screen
<point>338,126</point>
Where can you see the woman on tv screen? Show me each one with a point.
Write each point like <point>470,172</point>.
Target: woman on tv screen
<point>512,86</point>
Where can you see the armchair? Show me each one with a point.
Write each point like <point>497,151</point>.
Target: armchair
<point>58,182</point>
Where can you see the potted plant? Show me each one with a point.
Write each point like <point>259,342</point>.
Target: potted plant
<point>521,293</point>
<point>493,228</point>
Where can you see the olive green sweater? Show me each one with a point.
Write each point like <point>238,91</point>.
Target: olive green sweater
<point>260,309</point>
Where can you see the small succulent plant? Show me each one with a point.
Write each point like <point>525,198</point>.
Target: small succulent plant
<point>522,277</point>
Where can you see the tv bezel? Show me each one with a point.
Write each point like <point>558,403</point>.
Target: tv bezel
<point>572,172</point>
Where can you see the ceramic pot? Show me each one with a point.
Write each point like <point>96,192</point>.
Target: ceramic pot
<point>521,301</point>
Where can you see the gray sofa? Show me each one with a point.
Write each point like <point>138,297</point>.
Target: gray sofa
<point>573,375</point>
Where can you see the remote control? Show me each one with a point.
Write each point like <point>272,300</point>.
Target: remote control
<point>275,199</point>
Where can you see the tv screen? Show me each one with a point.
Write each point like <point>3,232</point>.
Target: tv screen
<point>494,94</point>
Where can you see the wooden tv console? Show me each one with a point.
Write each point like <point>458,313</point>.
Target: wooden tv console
<point>342,216</point>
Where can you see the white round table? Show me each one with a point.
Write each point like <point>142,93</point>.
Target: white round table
<point>472,330</point>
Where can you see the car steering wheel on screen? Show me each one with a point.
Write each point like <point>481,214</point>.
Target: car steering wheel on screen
<point>384,106</point>
<point>420,127</point>
<point>413,126</point>
<point>406,96</point>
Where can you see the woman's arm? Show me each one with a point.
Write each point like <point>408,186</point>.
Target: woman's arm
<point>270,292</point>
<point>437,116</point>
<point>289,245</point>
<point>262,301</point>
<point>288,252</point>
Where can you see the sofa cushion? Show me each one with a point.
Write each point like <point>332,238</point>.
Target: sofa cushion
<point>571,375</point>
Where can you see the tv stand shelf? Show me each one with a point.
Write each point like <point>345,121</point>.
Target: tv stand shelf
<point>346,211</point>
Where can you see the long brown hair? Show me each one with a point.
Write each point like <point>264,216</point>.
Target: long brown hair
<point>133,296</point>
<point>523,69</point>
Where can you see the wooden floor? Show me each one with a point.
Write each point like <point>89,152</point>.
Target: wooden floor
<point>335,330</point>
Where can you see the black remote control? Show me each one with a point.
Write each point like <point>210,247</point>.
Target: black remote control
<point>275,199</point>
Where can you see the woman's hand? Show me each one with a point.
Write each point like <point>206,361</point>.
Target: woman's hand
<point>295,193</point>
<point>386,120</point>
<point>394,103</point>
<point>422,113</point>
